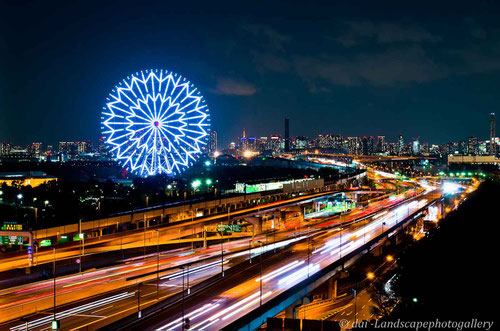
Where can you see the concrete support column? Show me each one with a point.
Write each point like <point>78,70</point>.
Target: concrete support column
<point>332,288</point>
<point>256,223</point>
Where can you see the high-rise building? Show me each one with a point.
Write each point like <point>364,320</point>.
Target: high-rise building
<point>212,144</point>
<point>401,144</point>
<point>102,147</point>
<point>301,142</point>
<point>367,146</point>
<point>263,144</point>
<point>381,148</point>
<point>287,135</point>
<point>35,149</point>
<point>415,147</point>
<point>493,146</point>
<point>354,145</point>
<point>67,147</point>
<point>274,143</point>
<point>5,148</point>
<point>251,144</point>
<point>472,146</point>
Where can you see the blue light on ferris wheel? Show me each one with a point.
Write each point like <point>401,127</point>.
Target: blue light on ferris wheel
<point>156,122</point>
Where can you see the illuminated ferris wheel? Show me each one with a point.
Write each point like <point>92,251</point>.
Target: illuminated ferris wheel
<point>155,122</point>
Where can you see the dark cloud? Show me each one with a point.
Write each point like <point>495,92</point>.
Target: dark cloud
<point>229,86</point>
<point>356,32</point>
<point>389,67</point>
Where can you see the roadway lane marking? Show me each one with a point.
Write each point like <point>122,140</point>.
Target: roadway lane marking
<point>95,311</point>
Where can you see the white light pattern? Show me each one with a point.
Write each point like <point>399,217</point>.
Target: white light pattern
<point>155,122</point>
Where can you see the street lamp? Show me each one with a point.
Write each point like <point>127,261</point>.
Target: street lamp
<point>370,275</point>
<point>355,313</point>
<point>157,263</point>
<point>222,253</point>
<point>260,242</point>
<point>389,258</point>
<point>55,322</point>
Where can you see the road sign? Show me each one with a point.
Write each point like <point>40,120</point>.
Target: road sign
<point>11,226</point>
<point>228,228</point>
<point>45,243</point>
<point>210,228</point>
<point>12,240</point>
<point>30,253</point>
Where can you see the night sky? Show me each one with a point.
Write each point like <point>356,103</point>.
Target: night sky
<point>355,67</point>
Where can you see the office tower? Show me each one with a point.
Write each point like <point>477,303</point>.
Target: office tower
<point>5,148</point>
<point>287,135</point>
<point>416,147</point>
<point>401,144</point>
<point>493,146</point>
<point>212,144</point>
<point>472,146</point>
<point>381,144</point>
<point>35,149</point>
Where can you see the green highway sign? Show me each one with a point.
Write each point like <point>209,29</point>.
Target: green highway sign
<point>12,240</point>
<point>228,228</point>
<point>45,243</point>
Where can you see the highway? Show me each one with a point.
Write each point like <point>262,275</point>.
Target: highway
<point>120,295</point>
<point>231,301</point>
<point>145,237</point>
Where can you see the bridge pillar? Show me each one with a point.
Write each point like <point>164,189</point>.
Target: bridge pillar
<point>256,223</point>
<point>332,288</point>
<point>291,311</point>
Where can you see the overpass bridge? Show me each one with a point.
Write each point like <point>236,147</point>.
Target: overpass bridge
<point>234,302</point>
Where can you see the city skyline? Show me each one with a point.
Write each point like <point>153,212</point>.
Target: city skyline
<point>381,67</point>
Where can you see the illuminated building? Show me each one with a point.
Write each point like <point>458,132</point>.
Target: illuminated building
<point>33,178</point>
<point>251,144</point>
<point>301,142</point>
<point>275,144</point>
<point>381,148</point>
<point>5,148</point>
<point>472,146</point>
<point>263,144</point>
<point>212,143</point>
<point>367,146</point>
<point>35,149</point>
<point>493,147</point>
<point>401,145</point>
<point>287,135</point>
<point>415,147</point>
<point>354,145</point>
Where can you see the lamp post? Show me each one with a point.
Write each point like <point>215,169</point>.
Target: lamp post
<point>250,251</point>
<point>355,313</point>
<point>54,275</point>
<point>308,253</point>
<point>139,300</point>
<point>222,254</point>
<point>81,237</point>
<point>340,245</point>
<point>157,263</point>
<point>260,242</point>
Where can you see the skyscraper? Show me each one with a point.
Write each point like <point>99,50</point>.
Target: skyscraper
<point>472,147</point>
<point>212,144</point>
<point>381,144</point>
<point>401,144</point>
<point>493,146</point>
<point>287,135</point>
